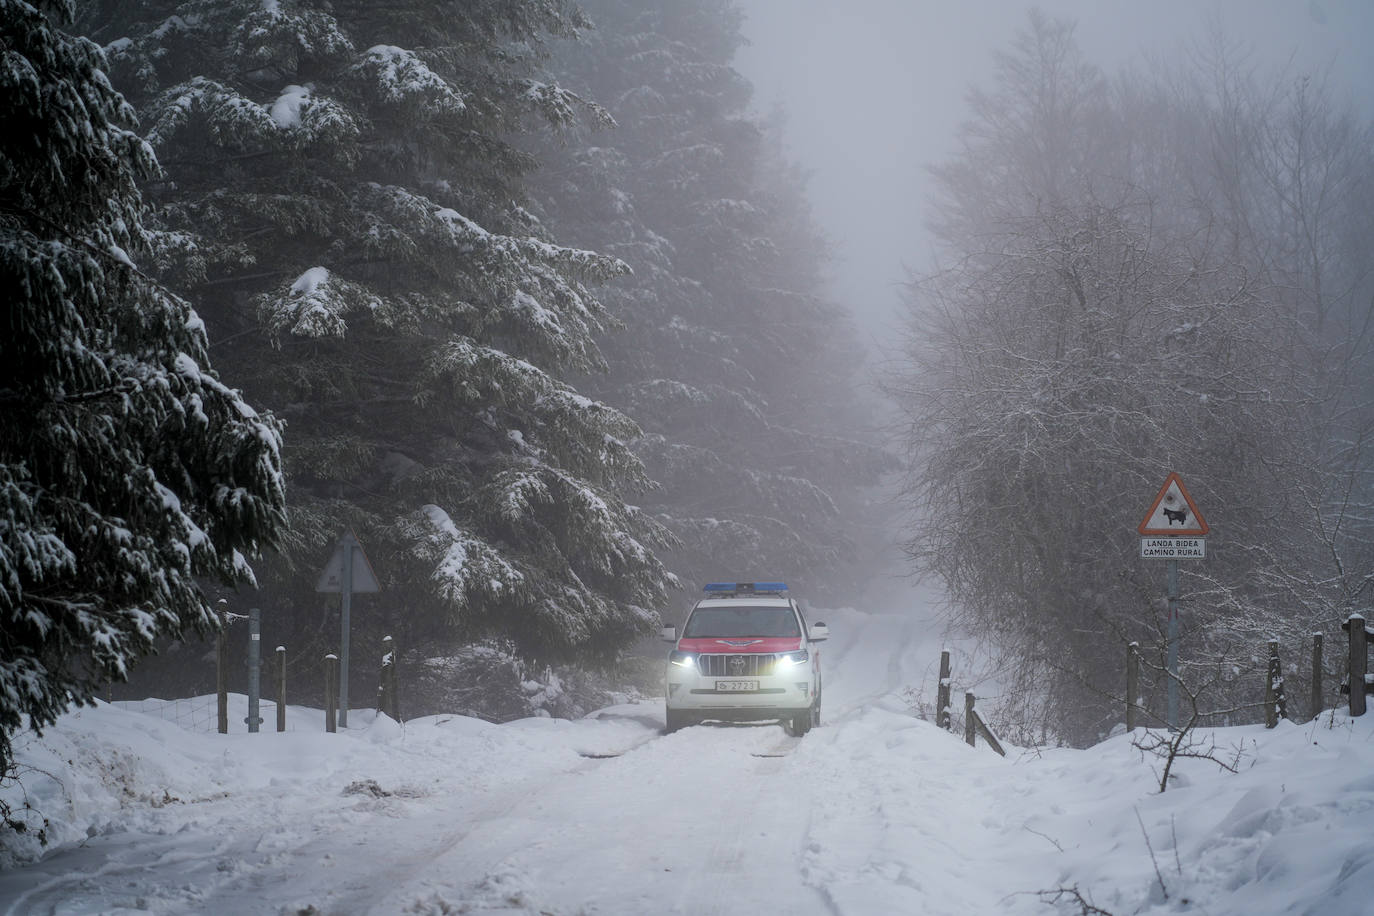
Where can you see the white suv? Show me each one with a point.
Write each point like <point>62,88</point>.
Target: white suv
<point>745,654</point>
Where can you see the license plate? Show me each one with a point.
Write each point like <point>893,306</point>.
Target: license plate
<point>736,686</point>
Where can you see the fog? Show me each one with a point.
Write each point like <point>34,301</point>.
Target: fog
<point>554,374</point>
<point>873,92</point>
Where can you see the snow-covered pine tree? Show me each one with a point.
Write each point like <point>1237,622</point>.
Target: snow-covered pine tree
<point>735,362</point>
<point>128,470</point>
<point>342,192</point>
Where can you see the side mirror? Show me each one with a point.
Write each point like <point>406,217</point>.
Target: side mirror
<point>819,632</point>
<point>669,634</point>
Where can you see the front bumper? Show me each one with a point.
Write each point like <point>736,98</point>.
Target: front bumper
<point>687,690</point>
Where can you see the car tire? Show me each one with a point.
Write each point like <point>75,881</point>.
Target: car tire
<point>800,723</point>
<point>676,719</point>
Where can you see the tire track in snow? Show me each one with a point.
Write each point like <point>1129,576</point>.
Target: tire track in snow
<point>690,823</point>
<point>858,871</point>
<point>876,846</point>
<point>873,663</point>
<point>396,858</point>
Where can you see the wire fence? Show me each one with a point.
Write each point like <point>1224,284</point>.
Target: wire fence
<point>196,714</point>
<point>201,713</point>
<point>225,664</point>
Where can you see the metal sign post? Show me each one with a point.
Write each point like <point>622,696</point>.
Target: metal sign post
<point>254,668</point>
<point>1173,529</point>
<point>348,571</point>
<point>1173,646</point>
<point>345,599</point>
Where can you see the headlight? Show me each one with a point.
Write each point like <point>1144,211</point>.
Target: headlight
<point>683,659</point>
<point>793,659</point>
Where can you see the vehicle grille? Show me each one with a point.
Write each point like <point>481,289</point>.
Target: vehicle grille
<point>721,666</point>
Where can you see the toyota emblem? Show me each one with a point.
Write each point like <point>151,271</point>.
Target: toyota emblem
<point>737,664</point>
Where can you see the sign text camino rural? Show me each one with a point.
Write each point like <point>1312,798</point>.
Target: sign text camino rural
<point>1173,548</point>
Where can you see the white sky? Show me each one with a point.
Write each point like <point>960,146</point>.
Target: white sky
<point>874,91</point>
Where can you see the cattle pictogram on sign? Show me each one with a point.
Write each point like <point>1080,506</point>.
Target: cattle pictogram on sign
<point>1173,513</point>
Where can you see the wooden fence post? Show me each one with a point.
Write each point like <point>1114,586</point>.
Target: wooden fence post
<point>386,681</point>
<point>1316,707</point>
<point>381,678</point>
<point>1132,683</point>
<point>1275,702</point>
<point>974,725</point>
<point>393,682</point>
<point>222,669</point>
<point>942,710</point>
<point>1359,661</point>
<point>987,734</point>
<point>331,691</point>
<point>281,688</point>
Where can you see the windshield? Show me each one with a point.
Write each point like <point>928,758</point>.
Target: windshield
<point>741,620</point>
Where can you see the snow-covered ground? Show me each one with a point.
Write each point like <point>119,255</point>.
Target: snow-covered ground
<point>877,812</point>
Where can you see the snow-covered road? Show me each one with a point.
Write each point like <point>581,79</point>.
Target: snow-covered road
<point>876,812</point>
<point>716,819</point>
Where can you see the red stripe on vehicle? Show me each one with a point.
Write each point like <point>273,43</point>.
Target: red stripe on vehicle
<point>751,645</point>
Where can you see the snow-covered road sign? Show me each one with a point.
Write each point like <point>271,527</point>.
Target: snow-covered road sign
<point>348,571</point>
<point>1173,513</point>
<point>363,578</point>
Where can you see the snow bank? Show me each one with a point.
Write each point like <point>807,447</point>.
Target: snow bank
<point>909,819</point>
<point>875,812</point>
<point>107,769</point>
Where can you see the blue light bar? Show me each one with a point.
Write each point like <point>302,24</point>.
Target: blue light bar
<point>745,587</point>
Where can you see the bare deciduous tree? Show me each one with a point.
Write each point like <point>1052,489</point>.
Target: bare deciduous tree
<point>1127,290</point>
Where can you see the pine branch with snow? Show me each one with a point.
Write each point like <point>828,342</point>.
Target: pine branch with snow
<point>129,472</point>
<point>344,186</point>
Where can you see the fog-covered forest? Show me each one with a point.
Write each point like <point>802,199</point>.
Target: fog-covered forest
<point>1145,272</point>
<point>530,297</point>
<point>539,304</point>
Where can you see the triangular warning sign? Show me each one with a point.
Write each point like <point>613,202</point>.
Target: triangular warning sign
<point>1173,513</point>
<point>362,578</point>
